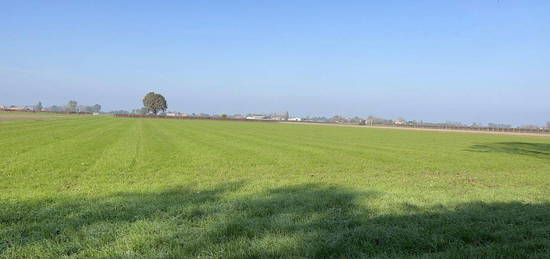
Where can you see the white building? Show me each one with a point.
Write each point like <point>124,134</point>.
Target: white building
<point>295,119</point>
<point>20,108</point>
<point>256,117</point>
<point>176,114</point>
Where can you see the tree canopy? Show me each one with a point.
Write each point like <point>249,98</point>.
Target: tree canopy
<point>154,102</point>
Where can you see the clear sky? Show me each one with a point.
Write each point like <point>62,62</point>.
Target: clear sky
<point>470,61</point>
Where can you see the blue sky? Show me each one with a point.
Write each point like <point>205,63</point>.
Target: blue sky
<point>470,61</point>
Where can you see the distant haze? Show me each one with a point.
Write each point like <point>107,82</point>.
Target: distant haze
<point>469,61</point>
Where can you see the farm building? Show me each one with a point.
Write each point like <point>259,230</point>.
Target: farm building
<point>256,117</point>
<point>176,114</point>
<point>20,108</point>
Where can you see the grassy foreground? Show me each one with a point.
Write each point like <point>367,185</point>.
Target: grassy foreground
<point>101,186</point>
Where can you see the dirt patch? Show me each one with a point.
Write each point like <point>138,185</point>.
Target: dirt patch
<point>5,117</point>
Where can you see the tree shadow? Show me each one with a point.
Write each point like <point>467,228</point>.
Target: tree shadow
<point>311,220</point>
<point>538,150</point>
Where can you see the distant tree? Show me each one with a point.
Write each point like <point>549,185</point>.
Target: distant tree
<point>154,102</point>
<point>84,108</point>
<point>338,119</point>
<point>356,119</point>
<point>55,108</point>
<point>142,111</point>
<point>38,107</point>
<point>119,112</point>
<point>224,115</point>
<point>499,125</point>
<point>96,108</point>
<point>529,126</point>
<point>71,106</point>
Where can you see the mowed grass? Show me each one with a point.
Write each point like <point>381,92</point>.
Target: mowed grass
<point>108,187</point>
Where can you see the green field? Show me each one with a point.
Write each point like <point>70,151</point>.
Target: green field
<point>102,186</point>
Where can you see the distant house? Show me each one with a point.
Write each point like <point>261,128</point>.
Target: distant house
<point>256,117</point>
<point>278,116</point>
<point>20,108</point>
<point>2,107</point>
<point>295,119</point>
<point>176,114</point>
<point>399,122</point>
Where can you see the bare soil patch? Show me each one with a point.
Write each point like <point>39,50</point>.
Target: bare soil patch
<point>4,117</point>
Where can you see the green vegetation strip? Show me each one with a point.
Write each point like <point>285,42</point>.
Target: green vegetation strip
<point>89,186</point>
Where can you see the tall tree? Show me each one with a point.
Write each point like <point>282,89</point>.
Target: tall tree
<point>154,102</point>
<point>71,106</point>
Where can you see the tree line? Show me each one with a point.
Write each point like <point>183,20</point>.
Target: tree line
<point>71,106</point>
<point>155,103</point>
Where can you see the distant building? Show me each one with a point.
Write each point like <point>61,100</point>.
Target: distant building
<point>256,117</point>
<point>176,114</point>
<point>295,119</point>
<point>2,107</point>
<point>20,108</point>
<point>400,122</point>
<point>278,116</point>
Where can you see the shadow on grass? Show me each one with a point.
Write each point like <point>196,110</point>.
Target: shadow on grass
<point>315,221</point>
<point>538,150</point>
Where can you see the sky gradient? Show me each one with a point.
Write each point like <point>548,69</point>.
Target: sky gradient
<point>469,61</point>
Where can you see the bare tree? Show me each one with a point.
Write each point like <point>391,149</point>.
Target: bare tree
<point>38,107</point>
<point>71,106</point>
<point>96,108</point>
